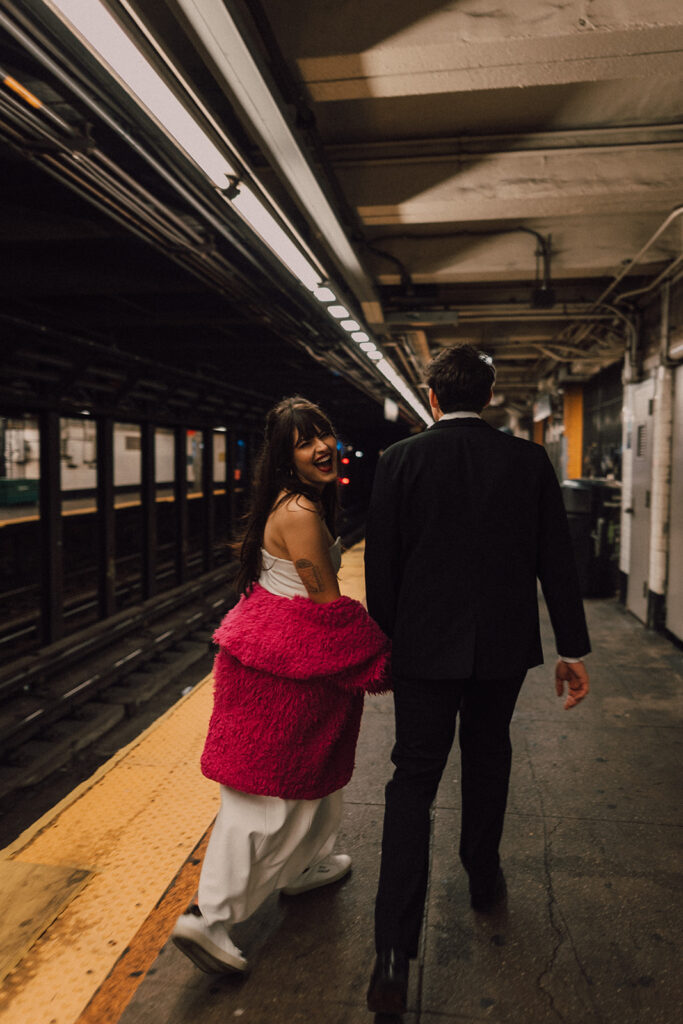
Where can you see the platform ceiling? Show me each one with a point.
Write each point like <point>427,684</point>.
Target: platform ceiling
<point>501,174</point>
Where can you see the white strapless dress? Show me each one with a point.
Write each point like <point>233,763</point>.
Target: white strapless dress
<point>279,576</point>
<point>262,843</point>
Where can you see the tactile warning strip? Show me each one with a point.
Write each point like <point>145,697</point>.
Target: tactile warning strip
<point>133,824</point>
<point>134,827</point>
<point>31,897</point>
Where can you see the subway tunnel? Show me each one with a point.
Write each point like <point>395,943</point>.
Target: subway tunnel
<point>208,205</point>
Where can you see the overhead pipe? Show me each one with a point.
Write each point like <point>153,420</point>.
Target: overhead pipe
<point>631,342</point>
<point>543,296</point>
<point>171,178</point>
<point>676,212</point>
<point>664,276</point>
<point>664,331</point>
<point>492,318</point>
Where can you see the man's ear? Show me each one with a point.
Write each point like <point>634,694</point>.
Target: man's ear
<point>434,403</point>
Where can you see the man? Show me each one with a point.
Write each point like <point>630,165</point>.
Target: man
<point>463,519</point>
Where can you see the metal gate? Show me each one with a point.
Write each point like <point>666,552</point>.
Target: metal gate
<point>642,397</point>
<point>674,595</point>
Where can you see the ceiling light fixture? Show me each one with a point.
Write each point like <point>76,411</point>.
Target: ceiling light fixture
<point>385,367</point>
<point>325,294</point>
<point>350,325</point>
<point>98,28</point>
<point>338,312</point>
<point>220,35</point>
<point>92,21</point>
<point>267,228</point>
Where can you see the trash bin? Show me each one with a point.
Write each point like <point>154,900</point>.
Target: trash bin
<point>593,507</point>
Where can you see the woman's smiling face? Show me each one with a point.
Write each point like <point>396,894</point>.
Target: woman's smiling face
<point>315,459</point>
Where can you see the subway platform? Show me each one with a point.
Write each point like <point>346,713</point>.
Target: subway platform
<point>592,854</point>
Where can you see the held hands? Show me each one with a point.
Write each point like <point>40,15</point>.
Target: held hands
<point>573,673</point>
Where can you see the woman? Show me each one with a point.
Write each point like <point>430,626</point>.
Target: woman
<point>294,661</point>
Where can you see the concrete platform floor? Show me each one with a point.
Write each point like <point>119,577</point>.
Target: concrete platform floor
<point>592,853</point>
<point>591,850</point>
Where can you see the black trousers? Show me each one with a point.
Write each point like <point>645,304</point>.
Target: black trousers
<point>426,712</point>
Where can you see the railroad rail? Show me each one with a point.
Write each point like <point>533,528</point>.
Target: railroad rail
<point>67,695</point>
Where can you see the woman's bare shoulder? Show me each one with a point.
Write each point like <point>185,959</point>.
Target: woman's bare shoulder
<point>295,505</point>
<point>291,513</point>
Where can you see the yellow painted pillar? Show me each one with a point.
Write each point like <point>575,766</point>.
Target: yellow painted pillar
<point>573,429</point>
<point>539,431</point>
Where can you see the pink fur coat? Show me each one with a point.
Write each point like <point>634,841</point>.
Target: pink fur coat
<point>289,680</point>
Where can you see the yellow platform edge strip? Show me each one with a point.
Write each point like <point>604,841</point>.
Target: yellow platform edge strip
<point>133,825</point>
<point>54,812</point>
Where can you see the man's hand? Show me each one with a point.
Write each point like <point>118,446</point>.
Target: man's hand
<point>575,675</point>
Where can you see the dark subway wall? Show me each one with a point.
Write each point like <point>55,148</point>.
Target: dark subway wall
<point>602,417</point>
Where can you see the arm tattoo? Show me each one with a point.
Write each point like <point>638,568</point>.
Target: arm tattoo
<point>310,576</point>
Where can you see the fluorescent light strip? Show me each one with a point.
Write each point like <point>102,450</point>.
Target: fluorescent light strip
<point>93,22</point>
<point>350,325</point>
<point>220,35</point>
<point>267,228</point>
<point>370,349</point>
<point>385,367</point>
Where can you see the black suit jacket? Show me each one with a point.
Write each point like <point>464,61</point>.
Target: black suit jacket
<point>463,520</point>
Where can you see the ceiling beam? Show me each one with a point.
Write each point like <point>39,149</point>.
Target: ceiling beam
<point>450,254</point>
<point>427,147</point>
<point>500,186</point>
<point>462,48</point>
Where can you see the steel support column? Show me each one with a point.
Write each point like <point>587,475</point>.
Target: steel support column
<point>106,524</point>
<point>149,511</point>
<point>51,542</point>
<point>231,456</point>
<point>181,515</point>
<point>209,502</point>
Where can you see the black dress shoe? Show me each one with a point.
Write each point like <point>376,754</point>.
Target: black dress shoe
<point>487,899</point>
<point>388,991</point>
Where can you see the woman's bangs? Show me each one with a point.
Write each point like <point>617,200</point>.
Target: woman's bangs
<point>310,422</point>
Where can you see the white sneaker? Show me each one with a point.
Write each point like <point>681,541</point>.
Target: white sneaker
<point>207,946</point>
<point>329,870</point>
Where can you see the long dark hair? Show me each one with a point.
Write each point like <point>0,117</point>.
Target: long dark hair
<point>274,472</point>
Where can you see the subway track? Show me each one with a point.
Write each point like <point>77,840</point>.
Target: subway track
<point>21,564</point>
<point>69,707</point>
<point>21,627</point>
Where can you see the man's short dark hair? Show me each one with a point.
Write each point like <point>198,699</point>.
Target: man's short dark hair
<point>461,378</point>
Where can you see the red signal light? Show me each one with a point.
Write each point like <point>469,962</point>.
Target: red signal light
<point>344,480</point>
<point>345,461</point>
